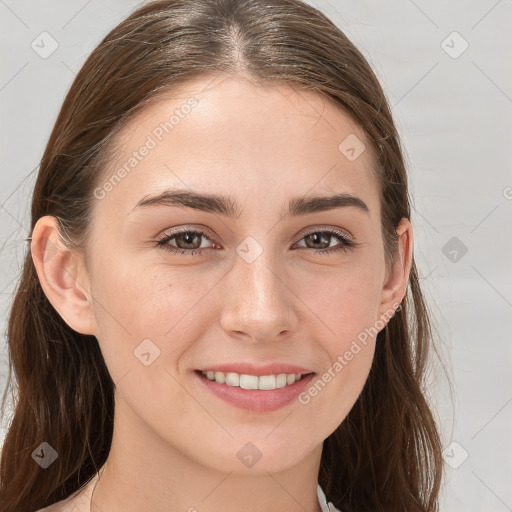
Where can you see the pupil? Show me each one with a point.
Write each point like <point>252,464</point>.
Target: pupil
<point>316,238</point>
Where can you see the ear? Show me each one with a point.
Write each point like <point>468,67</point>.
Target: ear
<point>62,275</point>
<point>395,286</point>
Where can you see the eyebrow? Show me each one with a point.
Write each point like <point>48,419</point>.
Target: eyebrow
<point>225,205</point>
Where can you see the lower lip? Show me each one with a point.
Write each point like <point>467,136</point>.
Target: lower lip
<point>256,400</point>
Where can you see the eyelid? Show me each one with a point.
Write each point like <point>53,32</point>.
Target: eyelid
<point>205,231</point>
<point>345,238</point>
<point>186,229</point>
<point>332,229</point>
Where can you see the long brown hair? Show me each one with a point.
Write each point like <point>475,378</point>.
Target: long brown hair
<point>386,454</point>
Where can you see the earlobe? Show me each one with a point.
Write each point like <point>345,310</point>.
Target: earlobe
<point>395,287</point>
<point>62,276</point>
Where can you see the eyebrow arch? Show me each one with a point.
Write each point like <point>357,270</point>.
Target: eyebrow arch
<point>224,205</point>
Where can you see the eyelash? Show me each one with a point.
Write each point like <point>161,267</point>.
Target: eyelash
<point>346,244</point>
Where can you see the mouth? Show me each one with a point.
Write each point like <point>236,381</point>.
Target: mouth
<point>254,393</point>
<point>254,382</point>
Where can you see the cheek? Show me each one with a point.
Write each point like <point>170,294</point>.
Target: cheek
<point>333,393</point>
<point>150,310</point>
<point>344,308</point>
<point>343,301</point>
<point>349,348</point>
<point>141,299</point>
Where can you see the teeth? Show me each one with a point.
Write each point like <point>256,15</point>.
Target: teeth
<point>244,381</point>
<point>232,379</point>
<point>249,381</point>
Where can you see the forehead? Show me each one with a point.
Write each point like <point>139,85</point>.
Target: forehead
<point>260,144</point>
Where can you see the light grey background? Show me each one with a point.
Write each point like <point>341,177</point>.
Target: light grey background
<point>453,110</point>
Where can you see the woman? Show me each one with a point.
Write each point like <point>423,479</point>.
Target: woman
<point>220,308</point>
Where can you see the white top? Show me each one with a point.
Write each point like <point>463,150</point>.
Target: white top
<point>324,505</point>
<point>80,501</point>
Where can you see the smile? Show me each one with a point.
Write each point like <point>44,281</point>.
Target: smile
<point>254,393</point>
<point>244,381</point>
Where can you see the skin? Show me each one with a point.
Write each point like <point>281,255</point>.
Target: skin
<point>175,444</point>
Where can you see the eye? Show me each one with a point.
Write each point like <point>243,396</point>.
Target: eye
<point>320,237</point>
<point>184,238</point>
<point>188,242</point>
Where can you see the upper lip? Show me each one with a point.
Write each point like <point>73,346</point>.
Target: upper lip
<point>250,369</point>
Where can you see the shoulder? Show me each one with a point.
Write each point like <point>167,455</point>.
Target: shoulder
<point>60,506</point>
<point>67,505</point>
<point>80,501</point>
<point>56,507</point>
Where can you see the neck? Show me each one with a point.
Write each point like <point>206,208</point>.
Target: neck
<point>144,472</point>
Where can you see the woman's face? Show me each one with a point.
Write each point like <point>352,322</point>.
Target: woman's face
<point>251,284</point>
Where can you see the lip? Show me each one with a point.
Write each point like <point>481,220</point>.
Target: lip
<point>256,400</point>
<point>250,369</point>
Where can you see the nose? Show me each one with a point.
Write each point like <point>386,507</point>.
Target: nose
<point>259,304</point>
